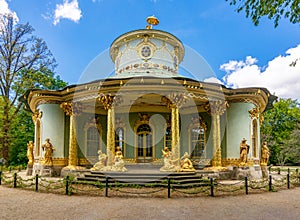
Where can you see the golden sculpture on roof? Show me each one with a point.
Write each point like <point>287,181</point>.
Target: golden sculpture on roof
<point>151,20</point>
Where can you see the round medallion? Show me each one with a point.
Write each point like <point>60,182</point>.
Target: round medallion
<point>146,51</point>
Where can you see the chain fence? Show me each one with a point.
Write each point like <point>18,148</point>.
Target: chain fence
<point>110,187</point>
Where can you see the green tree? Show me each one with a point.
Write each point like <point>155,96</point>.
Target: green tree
<point>25,62</point>
<point>272,9</point>
<point>280,129</point>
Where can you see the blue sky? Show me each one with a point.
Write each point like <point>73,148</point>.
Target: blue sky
<point>239,53</point>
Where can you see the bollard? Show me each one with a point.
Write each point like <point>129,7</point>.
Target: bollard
<point>67,185</point>
<point>288,170</point>
<point>169,188</point>
<point>270,183</point>
<point>211,187</point>
<point>15,180</point>
<point>288,180</point>
<point>246,184</point>
<point>0,177</point>
<point>106,187</point>
<point>36,182</point>
<point>278,170</point>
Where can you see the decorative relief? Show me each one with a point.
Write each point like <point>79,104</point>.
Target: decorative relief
<point>254,113</point>
<point>217,107</point>
<point>37,115</point>
<point>119,122</point>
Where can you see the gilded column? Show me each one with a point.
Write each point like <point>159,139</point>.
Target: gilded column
<point>109,101</point>
<point>216,109</point>
<point>72,110</point>
<point>174,101</point>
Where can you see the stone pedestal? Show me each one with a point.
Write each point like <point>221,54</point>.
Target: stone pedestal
<point>265,172</point>
<point>239,173</point>
<point>29,169</point>
<point>42,170</point>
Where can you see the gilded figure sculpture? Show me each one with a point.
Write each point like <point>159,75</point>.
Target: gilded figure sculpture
<point>29,154</point>
<point>169,162</point>
<point>265,154</point>
<point>48,148</point>
<point>119,163</point>
<point>101,163</point>
<point>244,150</point>
<point>186,164</point>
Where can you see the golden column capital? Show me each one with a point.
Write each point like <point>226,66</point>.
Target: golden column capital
<point>174,100</point>
<point>216,107</point>
<point>110,101</point>
<point>71,108</point>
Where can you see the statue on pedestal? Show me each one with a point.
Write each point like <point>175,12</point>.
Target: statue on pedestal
<point>244,150</point>
<point>102,161</point>
<point>48,148</point>
<point>265,154</point>
<point>29,153</point>
<point>30,157</point>
<point>186,164</point>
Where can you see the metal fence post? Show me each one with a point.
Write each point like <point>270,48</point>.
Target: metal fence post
<point>36,182</point>
<point>246,184</point>
<point>169,188</point>
<point>67,185</point>
<point>279,170</point>
<point>15,180</point>
<point>270,183</point>
<point>106,187</point>
<point>211,187</point>
<point>288,178</point>
<point>0,177</point>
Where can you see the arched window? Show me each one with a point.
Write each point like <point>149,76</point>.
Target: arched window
<point>92,141</point>
<point>168,137</point>
<point>197,136</point>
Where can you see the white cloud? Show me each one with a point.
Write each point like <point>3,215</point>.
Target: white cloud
<point>4,10</point>
<point>278,76</point>
<point>67,10</point>
<point>213,80</point>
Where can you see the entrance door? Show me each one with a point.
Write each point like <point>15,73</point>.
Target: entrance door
<point>144,148</point>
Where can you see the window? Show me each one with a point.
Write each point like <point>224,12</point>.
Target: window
<point>92,141</point>
<point>168,138</point>
<point>197,132</point>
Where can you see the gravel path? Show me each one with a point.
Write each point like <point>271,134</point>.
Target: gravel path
<point>22,204</point>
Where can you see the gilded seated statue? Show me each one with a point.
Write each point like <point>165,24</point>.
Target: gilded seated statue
<point>169,162</point>
<point>186,164</point>
<point>102,161</point>
<point>119,163</point>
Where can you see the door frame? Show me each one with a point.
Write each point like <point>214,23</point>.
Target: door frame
<point>137,124</point>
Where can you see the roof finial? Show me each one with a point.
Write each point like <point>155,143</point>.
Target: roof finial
<point>151,20</point>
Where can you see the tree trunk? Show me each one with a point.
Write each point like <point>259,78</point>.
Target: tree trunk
<point>5,133</point>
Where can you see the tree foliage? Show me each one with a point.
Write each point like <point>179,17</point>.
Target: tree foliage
<point>25,63</point>
<point>281,130</point>
<point>272,9</point>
